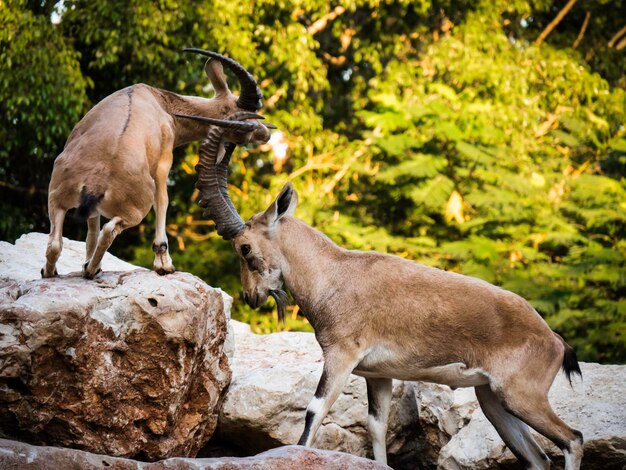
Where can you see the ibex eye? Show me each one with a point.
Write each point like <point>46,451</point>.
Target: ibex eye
<point>245,249</point>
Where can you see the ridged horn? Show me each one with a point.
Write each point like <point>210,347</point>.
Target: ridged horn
<point>251,98</point>
<point>213,185</point>
<point>243,126</point>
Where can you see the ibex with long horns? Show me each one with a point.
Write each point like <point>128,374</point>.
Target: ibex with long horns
<point>385,317</point>
<point>117,159</point>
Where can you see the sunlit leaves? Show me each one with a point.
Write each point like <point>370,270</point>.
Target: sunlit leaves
<point>435,131</point>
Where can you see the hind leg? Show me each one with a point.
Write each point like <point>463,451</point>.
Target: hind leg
<point>515,433</point>
<point>108,233</point>
<point>532,406</point>
<point>162,260</point>
<point>93,228</point>
<point>55,241</point>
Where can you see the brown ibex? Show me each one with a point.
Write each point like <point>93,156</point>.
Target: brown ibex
<point>117,158</point>
<point>382,317</point>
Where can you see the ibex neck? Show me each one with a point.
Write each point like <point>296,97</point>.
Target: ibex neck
<point>188,130</point>
<point>311,263</point>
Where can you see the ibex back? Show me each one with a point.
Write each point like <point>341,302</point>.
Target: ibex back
<point>384,317</point>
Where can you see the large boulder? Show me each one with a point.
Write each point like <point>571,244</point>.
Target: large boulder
<point>19,456</point>
<point>275,376</point>
<point>131,363</point>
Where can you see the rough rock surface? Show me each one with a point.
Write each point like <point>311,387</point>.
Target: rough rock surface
<point>596,407</point>
<point>24,260</point>
<point>130,363</point>
<point>19,456</point>
<point>275,376</point>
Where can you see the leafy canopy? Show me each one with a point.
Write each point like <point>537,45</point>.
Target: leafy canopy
<point>435,130</point>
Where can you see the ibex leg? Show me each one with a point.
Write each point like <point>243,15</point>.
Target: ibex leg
<point>514,432</point>
<point>108,233</point>
<point>533,408</point>
<point>337,369</point>
<point>379,400</point>
<point>93,229</point>
<point>162,261</point>
<point>55,241</point>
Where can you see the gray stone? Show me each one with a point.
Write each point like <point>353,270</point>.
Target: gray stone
<point>19,456</point>
<point>274,378</point>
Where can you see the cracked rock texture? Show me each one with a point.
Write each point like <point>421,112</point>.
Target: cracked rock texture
<point>128,364</point>
<point>430,426</point>
<point>18,456</point>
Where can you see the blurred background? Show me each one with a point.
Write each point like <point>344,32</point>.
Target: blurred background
<point>482,137</point>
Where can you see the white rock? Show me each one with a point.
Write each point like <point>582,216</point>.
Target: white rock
<point>596,407</point>
<point>130,362</point>
<point>19,456</point>
<point>275,377</point>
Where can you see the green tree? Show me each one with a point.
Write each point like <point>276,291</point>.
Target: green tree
<point>42,96</point>
<point>478,136</point>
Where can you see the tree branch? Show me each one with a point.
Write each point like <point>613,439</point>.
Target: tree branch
<point>544,34</point>
<point>31,190</point>
<point>617,36</point>
<point>583,28</point>
<point>320,24</point>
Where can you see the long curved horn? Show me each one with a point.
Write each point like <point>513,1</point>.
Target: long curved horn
<point>213,184</point>
<point>251,98</point>
<point>243,126</point>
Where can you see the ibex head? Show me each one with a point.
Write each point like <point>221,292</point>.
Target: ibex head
<point>260,260</point>
<point>250,99</point>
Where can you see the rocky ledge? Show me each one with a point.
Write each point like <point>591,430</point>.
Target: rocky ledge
<point>128,364</point>
<point>19,456</point>
<point>134,364</point>
<point>430,426</point>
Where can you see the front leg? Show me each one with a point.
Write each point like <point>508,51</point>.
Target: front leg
<point>162,261</point>
<point>338,365</point>
<point>379,400</point>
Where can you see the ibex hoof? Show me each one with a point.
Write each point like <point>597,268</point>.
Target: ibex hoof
<point>164,271</point>
<point>44,275</point>
<point>87,274</point>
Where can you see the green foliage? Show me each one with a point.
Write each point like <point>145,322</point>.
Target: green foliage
<point>435,130</point>
<point>42,96</point>
<point>537,214</point>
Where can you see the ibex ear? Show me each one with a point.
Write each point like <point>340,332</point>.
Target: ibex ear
<point>285,204</point>
<point>217,77</point>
